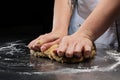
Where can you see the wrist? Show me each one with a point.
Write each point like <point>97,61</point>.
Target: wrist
<point>61,29</point>
<point>86,34</point>
<point>59,32</point>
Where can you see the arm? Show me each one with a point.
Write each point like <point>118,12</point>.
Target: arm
<point>62,15</point>
<point>61,19</point>
<point>100,19</point>
<point>95,25</point>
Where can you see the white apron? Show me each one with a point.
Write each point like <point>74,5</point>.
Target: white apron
<point>81,12</point>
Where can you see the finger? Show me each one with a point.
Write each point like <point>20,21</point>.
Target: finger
<point>78,50</point>
<point>36,44</point>
<point>87,51</point>
<point>31,45</point>
<point>55,51</point>
<point>62,48</point>
<point>48,45</point>
<point>70,50</point>
<point>46,38</point>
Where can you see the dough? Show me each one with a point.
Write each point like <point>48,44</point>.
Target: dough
<point>49,54</point>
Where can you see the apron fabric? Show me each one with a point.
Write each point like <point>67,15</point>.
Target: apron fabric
<point>81,12</point>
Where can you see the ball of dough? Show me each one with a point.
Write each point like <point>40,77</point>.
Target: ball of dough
<point>50,54</point>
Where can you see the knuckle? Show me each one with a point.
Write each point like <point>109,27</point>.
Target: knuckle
<point>64,39</point>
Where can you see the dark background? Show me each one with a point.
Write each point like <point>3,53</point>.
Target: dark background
<point>26,18</point>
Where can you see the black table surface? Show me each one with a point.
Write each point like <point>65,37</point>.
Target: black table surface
<point>17,64</point>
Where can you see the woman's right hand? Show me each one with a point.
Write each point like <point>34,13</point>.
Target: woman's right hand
<point>43,42</point>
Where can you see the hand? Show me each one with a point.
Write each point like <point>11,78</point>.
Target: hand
<point>43,42</point>
<point>75,45</point>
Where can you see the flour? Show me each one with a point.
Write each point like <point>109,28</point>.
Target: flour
<point>112,67</point>
<point>11,47</point>
<point>16,51</point>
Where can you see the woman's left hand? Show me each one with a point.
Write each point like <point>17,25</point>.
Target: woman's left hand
<point>75,45</point>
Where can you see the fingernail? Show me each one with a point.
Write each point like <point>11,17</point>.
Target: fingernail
<point>43,48</point>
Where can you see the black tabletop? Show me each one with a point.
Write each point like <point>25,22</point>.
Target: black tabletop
<point>17,64</point>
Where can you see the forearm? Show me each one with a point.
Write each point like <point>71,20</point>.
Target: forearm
<point>62,15</point>
<point>100,19</point>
